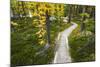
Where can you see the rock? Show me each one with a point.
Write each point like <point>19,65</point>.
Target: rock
<point>52,18</point>
<point>65,19</point>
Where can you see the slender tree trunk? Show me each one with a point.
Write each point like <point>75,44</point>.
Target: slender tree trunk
<point>12,12</point>
<point>48,27</point>
<point>69,15</point>
<point>77,9</point>
<point>93,13</point>
<point>23,5</point>
<point>83,19</point>
<point>18,10</point>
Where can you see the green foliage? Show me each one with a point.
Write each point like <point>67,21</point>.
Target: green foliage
<point>24,45</point>
<point>24,41</point>
<point>84,14</point>
<point>82,44</point>
<point>91,25</point>
<point>82,47</point>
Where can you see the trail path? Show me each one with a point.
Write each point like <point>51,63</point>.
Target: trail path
<point>62,54</point>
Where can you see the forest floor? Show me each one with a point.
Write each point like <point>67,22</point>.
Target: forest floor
<point>62,54</point>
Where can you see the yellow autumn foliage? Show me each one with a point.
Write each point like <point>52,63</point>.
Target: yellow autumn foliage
<point>40,10</point>
<point>14,24</point>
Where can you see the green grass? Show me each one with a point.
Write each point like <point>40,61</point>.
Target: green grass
<point>82,45</point>
<point>24,43</point>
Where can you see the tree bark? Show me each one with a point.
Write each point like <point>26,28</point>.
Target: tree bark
<point>83,19</point>
<point>48,27</point>
<point>69,15</point>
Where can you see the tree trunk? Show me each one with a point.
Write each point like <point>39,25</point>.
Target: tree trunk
<point>83,19</point>
<point>69,15</point>
<point>23,4</point>
<point>48,27</point>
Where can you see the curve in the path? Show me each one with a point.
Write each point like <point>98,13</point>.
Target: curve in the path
<point>62,54</point>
